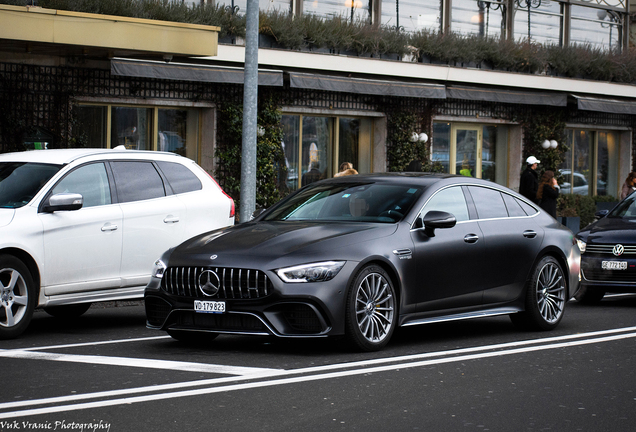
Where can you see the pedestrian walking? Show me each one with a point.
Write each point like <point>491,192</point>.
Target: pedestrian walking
<point>529,182</point>
<point>548,193</point>
<point>628,186</point>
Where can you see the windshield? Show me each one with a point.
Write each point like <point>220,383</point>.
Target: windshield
<point>359,202</point>
<point>20,181</point>
<point>625,209</point>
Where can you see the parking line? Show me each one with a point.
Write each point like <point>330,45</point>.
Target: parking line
<point>359,368</point>
<point>137,362</point>
<point>306,378</point>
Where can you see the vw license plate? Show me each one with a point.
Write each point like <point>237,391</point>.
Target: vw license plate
<point>209,306</point>
<point>614,265</point>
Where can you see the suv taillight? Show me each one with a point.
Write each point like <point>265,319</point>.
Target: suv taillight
<point>232,209</point>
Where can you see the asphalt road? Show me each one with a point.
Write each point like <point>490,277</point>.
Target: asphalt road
<point>106,371</point>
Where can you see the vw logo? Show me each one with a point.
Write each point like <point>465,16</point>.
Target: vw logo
<point>209,283</point>
<point>618,250</point>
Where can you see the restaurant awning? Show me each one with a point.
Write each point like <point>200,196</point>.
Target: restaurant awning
<point>605,105</point>
<point>190,72</point>
<point>366,86</point>
<point>506,96</point>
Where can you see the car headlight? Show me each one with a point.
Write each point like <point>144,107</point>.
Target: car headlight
<point>159,269</point>
<point>581,245</point>
<point>315,272</point>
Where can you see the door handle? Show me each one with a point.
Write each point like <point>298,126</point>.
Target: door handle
<point>529,234</point>
<point>171,219</point>
<point>109,227</point>
<point>471,238</point>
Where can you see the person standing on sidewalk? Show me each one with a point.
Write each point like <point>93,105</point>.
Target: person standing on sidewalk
<point>529,182</point>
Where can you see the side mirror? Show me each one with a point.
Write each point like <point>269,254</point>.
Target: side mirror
<point>64,202</point>
<point>437,219</point>
<point>601,214</point>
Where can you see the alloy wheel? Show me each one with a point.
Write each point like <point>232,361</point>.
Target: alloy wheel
<point>375,305</point>
<point>550,292</point>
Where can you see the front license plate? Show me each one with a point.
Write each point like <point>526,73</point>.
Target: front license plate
<point>209,306</point>
<point>614,265</point>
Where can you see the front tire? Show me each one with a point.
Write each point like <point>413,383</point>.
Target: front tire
<point>17,297</point>
<point>371,312</point>
<point>545,297</point>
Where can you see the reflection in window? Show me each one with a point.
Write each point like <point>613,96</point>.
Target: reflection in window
<point>412,15</point>
<point>315,149</point>
<point>265,5</point>
<point>539,21</point>
<point>291,136</point>
<point>351,10</point>
<point>576,167</point>
<point>607,164</point>
<point>597,27</point>
<point>349,137</point>
<point>450,200</point>
<point>131,128</point>
<point>441,145</point>
<point>91,126</point>
<point>483,18</point>
<point>90,181</point>
<point>177,132</point>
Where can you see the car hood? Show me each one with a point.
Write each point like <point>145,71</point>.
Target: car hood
<point>612,230</point>
<point>279,239</point>
<point>6,216</point>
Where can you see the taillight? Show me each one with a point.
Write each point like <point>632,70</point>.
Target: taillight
<point>232,209</point>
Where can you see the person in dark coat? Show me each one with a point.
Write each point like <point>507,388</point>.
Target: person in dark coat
<point>312,175</point>
<point>529,182</point>
<point>548,193</point>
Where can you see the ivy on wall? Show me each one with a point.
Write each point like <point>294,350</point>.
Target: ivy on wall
<point>401,151</point>
<point>271,170</point>
<point>539,126</point>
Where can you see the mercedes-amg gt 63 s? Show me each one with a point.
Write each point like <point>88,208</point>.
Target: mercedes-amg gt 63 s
<point>362,255</point>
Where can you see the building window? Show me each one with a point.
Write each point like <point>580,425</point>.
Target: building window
<point>173,130</point>
<point>590,166</point>
<point>599,28</point>
<point>412,15</point>
<point>539,21</point>
<point>473,150</point>
<point>483,18</point>
<point>351,10</point>
<point>315,146</point>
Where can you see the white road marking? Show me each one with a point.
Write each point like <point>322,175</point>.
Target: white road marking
<point>136,362</point>
<point>402,363</point>
<point>116,341</point>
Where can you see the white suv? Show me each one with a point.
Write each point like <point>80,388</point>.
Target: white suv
<point>79,226</point>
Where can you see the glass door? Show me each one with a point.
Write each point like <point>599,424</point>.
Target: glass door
<point>467,142</point>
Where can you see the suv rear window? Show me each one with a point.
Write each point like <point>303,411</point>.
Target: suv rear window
<point>180,177</point>
<point>137,181</point>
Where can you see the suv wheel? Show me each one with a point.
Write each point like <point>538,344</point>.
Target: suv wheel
<point>17,297</point>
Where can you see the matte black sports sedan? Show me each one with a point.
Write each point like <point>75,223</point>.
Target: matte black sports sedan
<point>362,255</point>
<point>608,253</point>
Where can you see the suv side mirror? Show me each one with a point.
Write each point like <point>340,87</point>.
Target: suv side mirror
<point>437,219</point>
<point>601,214</point>
<point>64,202</point>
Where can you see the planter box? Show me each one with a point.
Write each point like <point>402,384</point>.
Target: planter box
<point>571,222</point>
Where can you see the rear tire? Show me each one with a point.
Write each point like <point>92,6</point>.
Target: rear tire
<point>590,295</point>
<point>545,297</point>
<point>68,311</point>
<point>17,297</point>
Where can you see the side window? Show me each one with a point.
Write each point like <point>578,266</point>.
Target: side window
<point>90,181</point>
<point>180,177</point>
<point>514,208</point>
<point>450,200</point>
<point>137,181</point>
<point>488,202</point>
<point>526,207</point>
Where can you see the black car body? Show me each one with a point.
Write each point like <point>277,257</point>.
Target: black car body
<point>418,248</point>
<point>608,253</point>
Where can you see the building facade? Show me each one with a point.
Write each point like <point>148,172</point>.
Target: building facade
<point>336,107</point>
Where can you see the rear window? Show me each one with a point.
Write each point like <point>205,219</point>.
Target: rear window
<point>181,179</point>
<point>137,181</point>
<point>21,181</point>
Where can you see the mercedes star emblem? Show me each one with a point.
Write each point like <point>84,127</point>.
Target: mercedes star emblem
<point>209,283</point>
